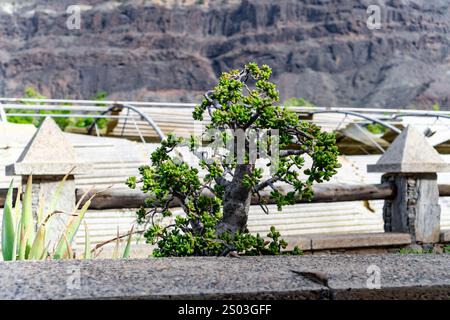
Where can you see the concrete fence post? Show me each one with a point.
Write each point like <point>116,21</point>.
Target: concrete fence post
<point>411,164</point>
<point>48,157</point>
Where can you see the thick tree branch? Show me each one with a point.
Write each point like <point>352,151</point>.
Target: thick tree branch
<point>286,153</point>
<point>267,183</point>
<point>251,121</point>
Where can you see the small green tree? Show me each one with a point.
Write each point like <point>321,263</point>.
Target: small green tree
<point>216,205</point>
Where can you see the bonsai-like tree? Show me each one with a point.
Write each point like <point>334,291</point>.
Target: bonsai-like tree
<point>216,204</point>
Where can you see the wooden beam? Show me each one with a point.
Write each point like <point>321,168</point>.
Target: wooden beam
<point>3,193</point>
<point>444,190</point>
<point>118,198</point>
<point>126,198</point>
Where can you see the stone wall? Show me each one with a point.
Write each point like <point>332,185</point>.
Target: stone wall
<point>288,277</point>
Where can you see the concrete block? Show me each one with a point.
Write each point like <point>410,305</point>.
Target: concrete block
<point>397,276</point>
<point>342,241</point>
<point>445,236</point>
<point>410,153</point>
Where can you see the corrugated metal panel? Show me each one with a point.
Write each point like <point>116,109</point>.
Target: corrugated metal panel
<point>175,120</point>
<point>318,217</point>
<point>179,121</point>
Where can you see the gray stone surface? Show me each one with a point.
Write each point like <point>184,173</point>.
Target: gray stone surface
<point>303,242</point>
<point>48,157</point>
<point>286,277</point>
<point>48,153</point>
<point>344,241</point>
<point>44,188</point>
<point>415,209</point>
<point>409,153</point>
<point>411,164</point>
<point>445,236</point>
<point>315,242</point>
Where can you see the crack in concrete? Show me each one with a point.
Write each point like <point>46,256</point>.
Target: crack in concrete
<point>318,278</point>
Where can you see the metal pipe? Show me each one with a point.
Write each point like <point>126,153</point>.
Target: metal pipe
<point>108,102</point>
<point>2,115</point>
<point>148,119</point>
<point>421,115</point>
<point>68,115</point>
<point>359,115</point>
<point>191,105</point>
<point>142,115</point>
<point>53,107</point>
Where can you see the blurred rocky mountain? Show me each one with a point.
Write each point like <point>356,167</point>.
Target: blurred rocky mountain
<point>172,50</point>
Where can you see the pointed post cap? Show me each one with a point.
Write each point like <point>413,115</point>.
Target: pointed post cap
<point>410,153</point>
<point>48,153</point>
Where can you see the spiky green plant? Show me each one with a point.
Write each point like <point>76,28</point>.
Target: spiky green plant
<point>24,239</point>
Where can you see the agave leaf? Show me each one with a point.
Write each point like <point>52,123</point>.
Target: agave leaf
<point>17,219</point>
<point>55,199</point>
<point>16,241</point>
<point>68,235</point>
<point>8,227</point>
<point>23,244</point>
<point>78,204</point>
<point>97,252</point>
<point>57,194</point>
<point>27,233</point>
<point>116,247</point>
<point>68,253</point>
<point>44,253</point>
<point>126,252</point>
<point>87,242</point>
<point>38,247</point>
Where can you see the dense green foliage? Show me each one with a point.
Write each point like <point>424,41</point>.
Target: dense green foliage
<point>445,249</point>
<point>242,100</point>
<point>87,122</point>
<point>31,93</point>
<point>376,128</point>
<point>298,102</point>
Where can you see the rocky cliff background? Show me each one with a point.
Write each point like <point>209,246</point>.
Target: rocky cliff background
<point>173,50</point>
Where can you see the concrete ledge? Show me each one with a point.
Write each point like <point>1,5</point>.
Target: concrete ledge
<point>48,168</point>
<point>283,277</point>
<point>323,242</point>
<point>303,242</point>
<point>348,241</point>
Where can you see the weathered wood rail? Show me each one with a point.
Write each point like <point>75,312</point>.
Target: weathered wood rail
<point>3,193</point>
<point>123,198</point>
<point>127,198</point>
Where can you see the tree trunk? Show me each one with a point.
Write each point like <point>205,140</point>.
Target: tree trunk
<point>236,202</point>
